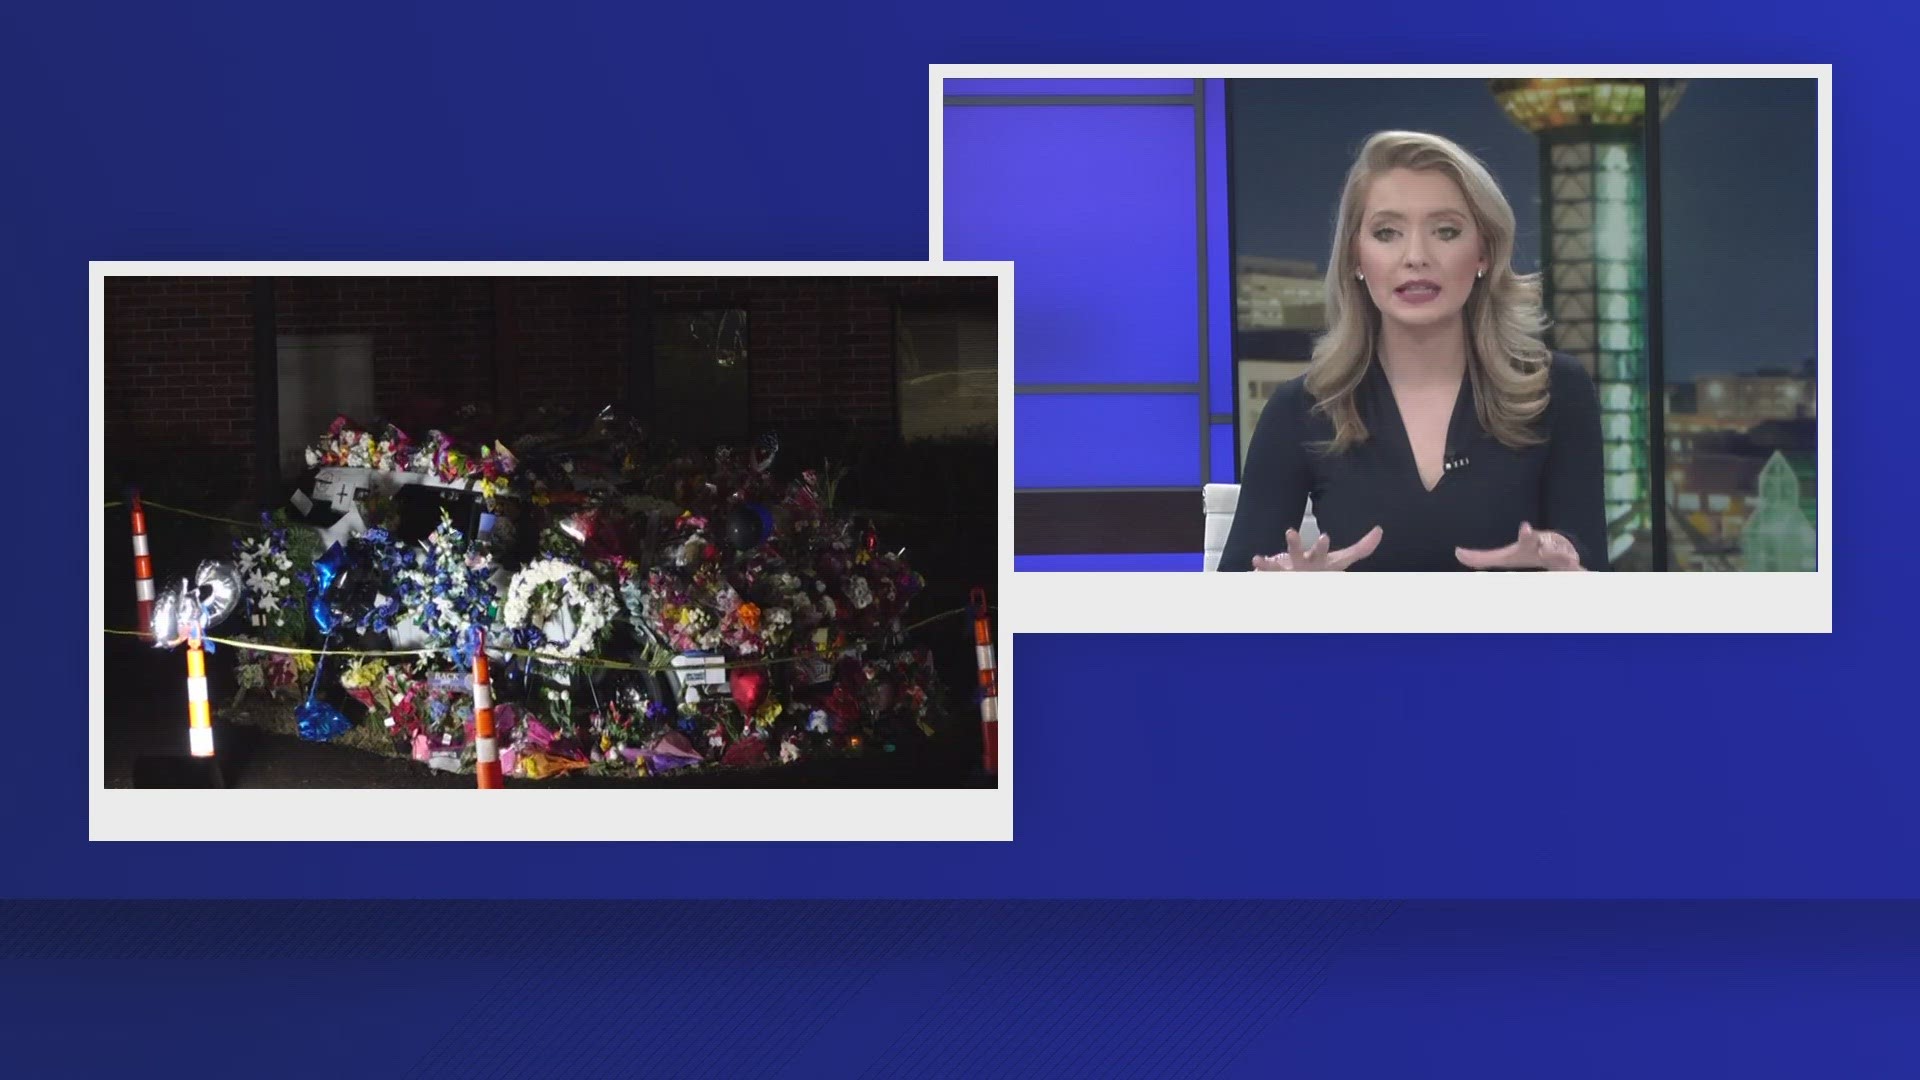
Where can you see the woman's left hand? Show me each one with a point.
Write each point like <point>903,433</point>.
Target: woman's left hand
<point>1536,549</point>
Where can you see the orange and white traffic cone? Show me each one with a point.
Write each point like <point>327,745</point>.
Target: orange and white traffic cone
<point>199,710</point>
<point>486,747</point>
<point>142,568</point>
<point>989,682</point>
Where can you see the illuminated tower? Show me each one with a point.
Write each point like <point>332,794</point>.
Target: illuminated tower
<point>1593,244</point>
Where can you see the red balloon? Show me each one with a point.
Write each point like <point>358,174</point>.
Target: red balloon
<point>749,687</point>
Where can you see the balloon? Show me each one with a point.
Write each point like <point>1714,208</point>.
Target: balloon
<point>748,524</point>
<point>763,452</point>
<point>172,613</point>
<point>322,613</point>
<point>749,687</point>
<point>196,605</point>
<point>326,575</point>
<point>218,591</point>
<point>320,721</point>
<point>346,586</point>
<point>599,534</point>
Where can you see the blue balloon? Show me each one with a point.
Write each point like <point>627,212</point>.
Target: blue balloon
<point>328,568</point>
<point>327,572</point>
<point>322,613</point>
<point>320,722</point>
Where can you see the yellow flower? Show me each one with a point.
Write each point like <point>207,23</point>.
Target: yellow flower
<point>767,714</point>
<point>362,673</point>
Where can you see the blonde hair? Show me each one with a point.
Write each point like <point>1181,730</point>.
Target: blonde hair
<point>1506,359</point>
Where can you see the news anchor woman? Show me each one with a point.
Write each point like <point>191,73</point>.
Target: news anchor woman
<point>1433,430</point>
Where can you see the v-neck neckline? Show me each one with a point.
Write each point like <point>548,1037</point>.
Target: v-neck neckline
<point>1462,399</point>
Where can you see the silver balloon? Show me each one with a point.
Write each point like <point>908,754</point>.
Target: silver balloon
<point>218,591</point>
<point>176,605</point>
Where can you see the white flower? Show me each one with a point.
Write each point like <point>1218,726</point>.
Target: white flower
<point>543,587</point>
<point>859,592</point>
<point>689,552</point>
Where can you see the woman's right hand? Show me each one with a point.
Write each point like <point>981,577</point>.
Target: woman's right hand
<point>1299,557</point>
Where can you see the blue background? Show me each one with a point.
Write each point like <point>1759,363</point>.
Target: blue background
<point>1110,210</point>
<point>1295,767</point>
<point>1473,767</point>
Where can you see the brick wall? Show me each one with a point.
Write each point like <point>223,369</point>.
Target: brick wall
<point>179,378</point>
<point>432,337</point>
<point>571,340</point>
<point>179,354</point>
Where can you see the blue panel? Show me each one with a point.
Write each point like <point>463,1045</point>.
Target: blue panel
<point>1182,561</point>
<point>1222,456</point>
<point>1033,87</point>
<point>1106,440</point>
<point>1219,253</point>
<point>1096,208</point>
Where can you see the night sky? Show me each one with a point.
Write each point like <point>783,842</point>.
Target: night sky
<point>1739,174</point>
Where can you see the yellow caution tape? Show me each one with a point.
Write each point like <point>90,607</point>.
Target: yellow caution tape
<point>584,661</point>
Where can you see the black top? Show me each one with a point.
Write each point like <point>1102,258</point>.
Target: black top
<point>1480,501</point>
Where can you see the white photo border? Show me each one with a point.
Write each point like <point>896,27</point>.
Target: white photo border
<point>1191,602</point>
<point>965,814</point>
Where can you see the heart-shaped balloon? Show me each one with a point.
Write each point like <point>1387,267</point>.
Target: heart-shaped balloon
<point>218,591</point>
<point>320,722</point>
<point>749,688</point>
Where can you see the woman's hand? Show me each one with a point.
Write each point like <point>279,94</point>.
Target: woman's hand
<point>1299,557</point>
<point>1536,549</point>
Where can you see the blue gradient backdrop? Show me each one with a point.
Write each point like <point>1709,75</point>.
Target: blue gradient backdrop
<point>1149,767</point>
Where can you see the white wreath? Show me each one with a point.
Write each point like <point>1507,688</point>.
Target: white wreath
<point>580,610</point>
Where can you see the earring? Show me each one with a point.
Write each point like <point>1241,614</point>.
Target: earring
<point>1359,276</point>
<point>1481,274</point>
